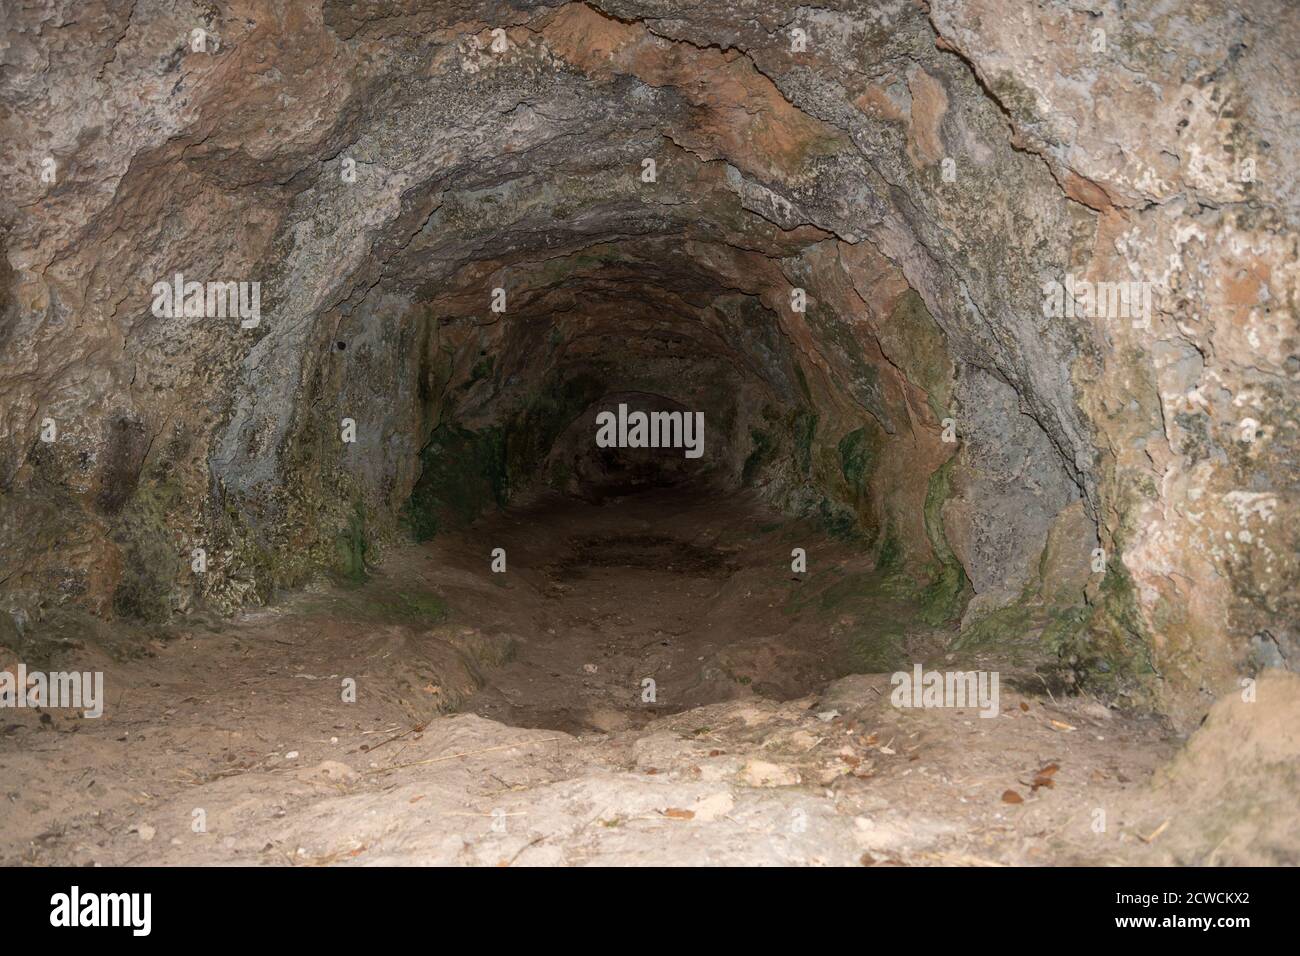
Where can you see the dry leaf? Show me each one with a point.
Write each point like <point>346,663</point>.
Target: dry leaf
<point>1043,778</point>
<point>1010,796</point>
<point>1062,726</point>
<point>679,814</point>
<point>1024,706</point>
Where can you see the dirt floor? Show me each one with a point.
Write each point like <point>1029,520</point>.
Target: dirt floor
<point>505,719</point>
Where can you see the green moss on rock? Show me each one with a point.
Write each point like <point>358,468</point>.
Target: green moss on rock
<point>804,429</point>
<point>463,472</point>
<point>353,545</point>
<point>761,449</point>
<point>859,452</point>
<point>945,596</point>
<point>917,343</point>
<point>151,559</point>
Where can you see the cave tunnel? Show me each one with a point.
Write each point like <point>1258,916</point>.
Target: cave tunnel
<point>661,412</point>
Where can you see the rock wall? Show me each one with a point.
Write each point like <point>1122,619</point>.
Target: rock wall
<point>927,176</point>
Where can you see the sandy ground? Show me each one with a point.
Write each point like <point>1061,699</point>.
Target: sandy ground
<point>504,719</point>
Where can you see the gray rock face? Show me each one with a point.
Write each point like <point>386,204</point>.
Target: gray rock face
<point>650,184</point>
<point>1009,486</point>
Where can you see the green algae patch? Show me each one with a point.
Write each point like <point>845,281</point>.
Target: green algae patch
<point>803,427</point>
<point>915,340</point>
<point>380,600</point>
<point>1099,647</point>
<point>353,546</point>
<point>872,608</point>
<point>944,598</point>
<point>529,436</point>
<point>890,558</point>
<point>1003,627</point>
<point>859,452</point>
<point>762,448</point>
<point>1113,649</point>
<point>482,369</point>
<point>839,521</point>
<point>463,472</point>
<point>151,563</point>
<point>877,646</point>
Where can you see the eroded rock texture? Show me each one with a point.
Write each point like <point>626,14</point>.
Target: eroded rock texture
<point>922,172</point>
